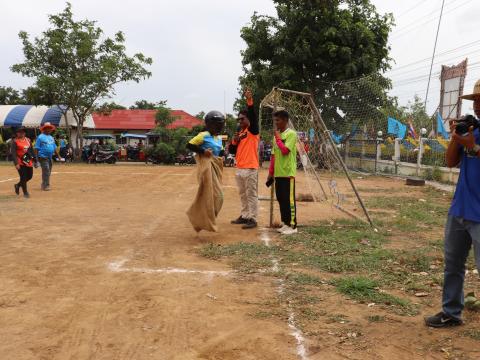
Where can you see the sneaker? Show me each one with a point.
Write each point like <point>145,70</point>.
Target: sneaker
<point>17,189</point>
<point>289,231</point>
<point>46,188</point>
<point>442,320</point>
<point>283,228</point>
<point>26,195</point>
<point>250,224</point>
<point>239,221</point>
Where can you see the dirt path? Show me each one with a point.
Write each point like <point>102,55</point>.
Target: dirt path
<point>60,299</point>
<point>106,266</point>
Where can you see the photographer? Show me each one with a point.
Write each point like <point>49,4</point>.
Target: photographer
<point>463,223</point>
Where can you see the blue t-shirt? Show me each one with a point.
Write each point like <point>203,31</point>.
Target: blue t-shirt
<point>466,201</point>
<point>207,141</point>
<point>45,144</point>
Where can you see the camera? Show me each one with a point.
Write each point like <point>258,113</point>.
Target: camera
<point>465,122</point>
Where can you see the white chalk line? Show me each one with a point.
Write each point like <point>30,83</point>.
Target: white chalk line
<point>294,330</point>
<point>119,266</point>
<point>7,180</point>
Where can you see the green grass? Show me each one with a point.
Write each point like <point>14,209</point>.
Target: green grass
<point>365,290</point>
<point>244,257</point>
<point>358,254</point>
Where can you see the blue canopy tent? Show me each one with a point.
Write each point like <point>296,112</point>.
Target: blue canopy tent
<point>35,116</point>
<point>134,136</point>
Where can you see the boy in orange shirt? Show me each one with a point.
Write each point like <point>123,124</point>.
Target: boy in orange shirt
<point>245,147</point>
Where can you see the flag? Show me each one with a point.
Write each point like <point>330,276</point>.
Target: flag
<point>396,128</point>
<point>441,127</point>
<point>411,130</point>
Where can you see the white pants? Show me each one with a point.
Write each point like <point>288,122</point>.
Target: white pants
<point>247,182</point>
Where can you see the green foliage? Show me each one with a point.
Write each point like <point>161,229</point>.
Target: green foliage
<point>146,105</point>
<point>74,64</point>
<point>3,150</point>
<point>165,153</point>
<point>107,107</point>
<point>366,290</point>
<point>10,96</point>
<point>164,116</point>
<point>200,115</point>
<point>433,174</point>
<point>414,111</point>
<point>230,125</point>
<point>311,43</point>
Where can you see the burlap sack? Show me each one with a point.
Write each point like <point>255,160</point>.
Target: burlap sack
<point>209,199</point>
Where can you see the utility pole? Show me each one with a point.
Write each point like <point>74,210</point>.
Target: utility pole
<point>434,52</point>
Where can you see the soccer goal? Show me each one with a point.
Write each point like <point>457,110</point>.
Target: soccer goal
<point>322,173</point>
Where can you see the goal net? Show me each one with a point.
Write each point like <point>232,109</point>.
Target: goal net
<point>322,176</point>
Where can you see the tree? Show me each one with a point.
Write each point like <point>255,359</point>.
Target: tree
<point>107,108</point>
<point>231,125</point>
<point>75,64</point>
<point>310,44</point>
<point>146,105</point>
<point>200,115</point>
<point>164,116</point>
<point>10,96</point>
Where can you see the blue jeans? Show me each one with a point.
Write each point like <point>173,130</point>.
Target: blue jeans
<point>460,234</point>
<point>46,165</point>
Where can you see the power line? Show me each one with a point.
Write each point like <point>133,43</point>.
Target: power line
<point>415,22</point>
<point>405,31</point>
<point>414,7</point>
<point>439,54</point>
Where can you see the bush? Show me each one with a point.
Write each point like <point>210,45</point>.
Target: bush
<point>3,150</point>
<point>165,153</point>
<point>433,174</point>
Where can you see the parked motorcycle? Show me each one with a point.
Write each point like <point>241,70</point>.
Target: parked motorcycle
<point>109,157</point>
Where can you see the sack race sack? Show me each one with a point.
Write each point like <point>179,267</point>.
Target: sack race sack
<point>209,199</point>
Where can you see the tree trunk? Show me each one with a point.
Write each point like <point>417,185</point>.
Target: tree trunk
<point>79,137</point>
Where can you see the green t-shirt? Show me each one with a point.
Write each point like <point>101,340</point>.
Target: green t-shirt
<point>286,165</point>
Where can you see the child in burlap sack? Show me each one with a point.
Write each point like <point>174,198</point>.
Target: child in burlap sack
<point>209,149</point>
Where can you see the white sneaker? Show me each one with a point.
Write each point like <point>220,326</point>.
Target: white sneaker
<point>283,228</point>
<point>289,231</point>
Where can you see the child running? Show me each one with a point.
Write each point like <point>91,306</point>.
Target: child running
<point>209,148</point>
<point>283,168</point>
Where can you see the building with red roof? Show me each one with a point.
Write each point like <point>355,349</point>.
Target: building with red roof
<point>138,122</point>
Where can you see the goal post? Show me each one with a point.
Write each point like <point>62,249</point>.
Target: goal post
<point>322,171</point>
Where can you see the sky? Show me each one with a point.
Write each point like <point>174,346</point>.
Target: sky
<point>195,45</point>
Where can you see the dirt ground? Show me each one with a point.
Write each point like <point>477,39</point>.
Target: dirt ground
<point>106,266</point>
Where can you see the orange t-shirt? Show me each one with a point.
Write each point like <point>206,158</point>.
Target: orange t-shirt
<point>247,150</point>
<point>22,148</point>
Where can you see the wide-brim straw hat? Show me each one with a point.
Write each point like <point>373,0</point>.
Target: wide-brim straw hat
<point>47,126</point>
<point>476,93</point>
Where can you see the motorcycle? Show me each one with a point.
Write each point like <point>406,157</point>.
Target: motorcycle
<point>109,157</point>
<point>188,159</point>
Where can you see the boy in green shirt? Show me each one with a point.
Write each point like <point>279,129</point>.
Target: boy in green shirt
<point>283,168</point>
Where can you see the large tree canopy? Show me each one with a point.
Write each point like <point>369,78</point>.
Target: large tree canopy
<point>75,64</point>
<point>312,43</point>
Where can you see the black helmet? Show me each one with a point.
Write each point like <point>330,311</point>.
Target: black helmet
<point>214,116</point>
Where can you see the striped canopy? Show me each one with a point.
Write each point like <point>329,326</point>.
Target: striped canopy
<point>35,116</point>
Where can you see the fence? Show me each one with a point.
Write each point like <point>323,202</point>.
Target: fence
<point>425,158</point>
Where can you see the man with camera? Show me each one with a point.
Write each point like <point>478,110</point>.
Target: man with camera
<point>463,224</point>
